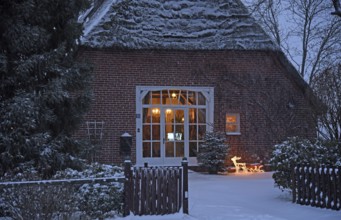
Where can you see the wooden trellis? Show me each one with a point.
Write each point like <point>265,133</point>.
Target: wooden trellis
<point>95,136</point>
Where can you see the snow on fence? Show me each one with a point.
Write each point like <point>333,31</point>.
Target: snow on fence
<point>147,191</point>
<point>50,199</point>
<point>156,190</point>
<point>317,186</point>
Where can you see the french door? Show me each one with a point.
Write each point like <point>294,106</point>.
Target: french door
<point>165,135</point>
<point>175,139</point>
<point>170,123</point>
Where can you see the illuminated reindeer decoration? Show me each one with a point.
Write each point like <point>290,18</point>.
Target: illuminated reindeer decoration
<point>239,166</point>
<point>242,166</point>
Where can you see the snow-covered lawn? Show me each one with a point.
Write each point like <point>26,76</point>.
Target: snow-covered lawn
<point>241,197</point>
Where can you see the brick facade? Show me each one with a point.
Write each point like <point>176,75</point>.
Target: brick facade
<point>271,103</point>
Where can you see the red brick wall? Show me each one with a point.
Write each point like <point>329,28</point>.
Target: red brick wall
<point>253,83</point>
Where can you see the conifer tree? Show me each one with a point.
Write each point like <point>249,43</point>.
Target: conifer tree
<point>213,151</point>
<point>44,89</point>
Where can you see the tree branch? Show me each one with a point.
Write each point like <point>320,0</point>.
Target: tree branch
<point>337,8</point>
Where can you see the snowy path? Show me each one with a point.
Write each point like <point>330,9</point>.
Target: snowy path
<point>241,197</point>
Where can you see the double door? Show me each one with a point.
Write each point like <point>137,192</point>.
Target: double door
<point>165,135</point>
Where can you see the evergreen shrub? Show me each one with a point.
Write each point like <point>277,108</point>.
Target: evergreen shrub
<point>68,201</point>
<point>212,152</point>
<point>295,151</point>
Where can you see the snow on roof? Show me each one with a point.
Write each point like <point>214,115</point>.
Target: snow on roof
<point>175,24</point>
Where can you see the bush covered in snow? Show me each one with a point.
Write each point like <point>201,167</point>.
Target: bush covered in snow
<point>212,152</point>
<point>97,200</point>
<point>296,151</point>
<point>90,200</point>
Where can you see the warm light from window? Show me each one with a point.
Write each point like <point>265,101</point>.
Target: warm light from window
<point>155,111</point>
<point>232,124</point>
<point>168,111</point>
<point>231,119</point>
<point>231,128</point>
<point>173,95</point>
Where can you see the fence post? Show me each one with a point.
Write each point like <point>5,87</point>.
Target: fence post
<point>293,183</point>
<point>184,164</point>
<point>339,186</point>
<point>127,174</point>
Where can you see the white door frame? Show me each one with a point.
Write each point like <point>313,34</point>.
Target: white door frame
<point>141,92</point>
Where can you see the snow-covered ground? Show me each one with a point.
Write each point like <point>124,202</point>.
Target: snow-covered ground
<point>241,197</point>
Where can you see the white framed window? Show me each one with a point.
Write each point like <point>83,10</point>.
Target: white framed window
<point>171,123</point>
<point>232,124</point>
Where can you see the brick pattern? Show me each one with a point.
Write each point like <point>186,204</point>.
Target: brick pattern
<point>253,83</point>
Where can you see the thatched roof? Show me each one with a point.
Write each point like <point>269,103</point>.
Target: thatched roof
<point>173,24</point>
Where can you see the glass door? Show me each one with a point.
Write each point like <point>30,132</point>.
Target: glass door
<point>171,122</point>
<point>174,145</point>
<point>151,138</point>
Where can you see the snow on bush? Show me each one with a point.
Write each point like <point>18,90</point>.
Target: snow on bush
<point>48,201</point>
<point>296,151</point>
<point>212,152</point>
<point>97,200</point>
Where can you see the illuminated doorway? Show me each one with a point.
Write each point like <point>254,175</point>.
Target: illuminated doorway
<point>171,123</point>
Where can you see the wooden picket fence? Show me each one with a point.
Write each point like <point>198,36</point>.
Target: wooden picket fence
<point>156,190</point>
<point>147,190</point>
<point>317,186</point>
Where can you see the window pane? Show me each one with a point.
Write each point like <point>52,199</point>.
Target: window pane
<point>179,116</point>
<point>146,99</point>
<point>199,144</point>
<point>192,98</point>
<point>183,98</point>
<point>192,114</point>
<point>232,123</point>
<point>201,115</point>
<point>174,95</point>
<point>231,119</point>
<point>165,97</point>
<point>146,149</point>
<point>146,115</point>
<point>169,116</point>
<point>193,132</point>
<point>231,128</point>
<point>180,149</point>
<point>193,149</point>
<point>169,149</point>
<point>201,132</point>
<point>156,132</point>
<point>146,132</point>
<point>156,149</point>
<point>156,98</point>
<point>201,99</point>
<point>179,132</point>
<point>169,131</point>
<point>156,115</point>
